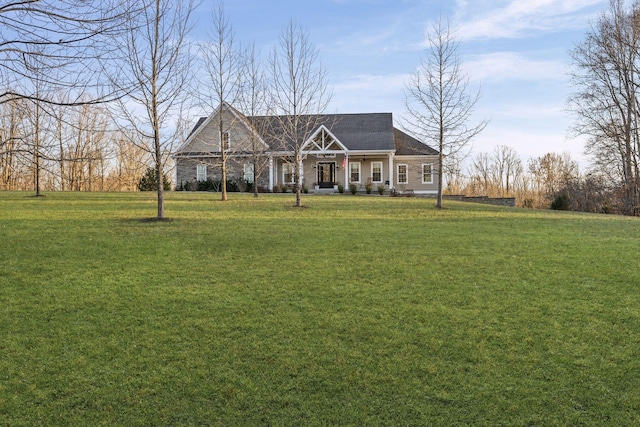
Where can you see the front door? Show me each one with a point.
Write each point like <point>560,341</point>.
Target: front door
<point>326,174</point>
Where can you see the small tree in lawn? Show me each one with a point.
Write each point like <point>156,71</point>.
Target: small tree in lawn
<point>154,71</point>
<point>252,101</point>
<point>222,61</point>
<point>149,181</point>
<point>299,94</point>
<point>438,102</point>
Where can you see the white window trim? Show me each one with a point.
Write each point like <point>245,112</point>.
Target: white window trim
<point>431,174</point>
<point>248,172</point>
<point>406,173</point>
<point>359,172</point>
<point>381,173</point>
<point>201,170</point>
<point>284,172</point>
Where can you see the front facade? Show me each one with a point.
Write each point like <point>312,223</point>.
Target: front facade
<point>340,149</point>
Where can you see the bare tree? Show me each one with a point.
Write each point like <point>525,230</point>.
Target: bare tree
<point>550,173</point>
<point>505,169</point>
<point>86,151</point>
<point>12,144</point>
<point>222,63</point>
<point>454,177</point>
<point>606,77</point>
<point>480,172</point>
<point>154,72</point>
<point>129,163</point>
<point>253,101</point>
<point>299,94</point>
<point>37,118</point>
<point>437,99</point>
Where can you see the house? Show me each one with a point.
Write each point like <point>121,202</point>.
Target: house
<point>341,149</point>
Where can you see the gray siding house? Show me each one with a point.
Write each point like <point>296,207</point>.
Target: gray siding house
<point>343,149</point>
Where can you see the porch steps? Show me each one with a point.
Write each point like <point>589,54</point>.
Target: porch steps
<point>324,191</point>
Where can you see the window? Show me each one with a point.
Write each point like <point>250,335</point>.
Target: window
<point>201,173</point>
<point>427,173</point>
<point>376,172</point>
<point>225,140</point>
<point>287,173</point>
<point>354,172</point>
<point>403,174</point>
<point>248,172</point>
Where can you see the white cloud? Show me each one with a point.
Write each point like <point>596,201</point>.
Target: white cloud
<point>530,111</point>
<point>369,93</point>
<point>494,19</point>
<point>512,66</point>
<point>372,82</point>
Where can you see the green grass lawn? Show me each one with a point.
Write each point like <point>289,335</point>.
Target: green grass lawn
<point>352,311</point>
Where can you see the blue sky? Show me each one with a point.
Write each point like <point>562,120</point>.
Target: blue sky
<point>515,51</point>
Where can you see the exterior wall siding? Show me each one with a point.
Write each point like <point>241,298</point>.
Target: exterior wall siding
<point>414,171</point>
<point>208,139</point>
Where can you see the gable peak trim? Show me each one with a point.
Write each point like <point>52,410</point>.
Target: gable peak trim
<point>324,145</point>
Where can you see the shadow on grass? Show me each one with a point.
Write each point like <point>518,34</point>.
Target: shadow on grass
<point>148,220</point>
<point>154,219</point>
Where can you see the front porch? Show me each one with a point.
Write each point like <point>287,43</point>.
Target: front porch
<point>322,172</point>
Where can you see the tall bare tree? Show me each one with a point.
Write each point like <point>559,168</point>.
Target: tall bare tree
<point>12,144</point>
<point>154,72</point>
<point>607,78</point>
<point>480,173</point>
<point>299,94</point>
<point>37,117</point>
<point>506,169</point>
<point>438,101</point>
<point>222,63</point>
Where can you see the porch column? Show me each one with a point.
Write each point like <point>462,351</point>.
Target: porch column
<point>301,174</point>
<point>346,171</point>
<point>270,173</point>
<point>390,171</point>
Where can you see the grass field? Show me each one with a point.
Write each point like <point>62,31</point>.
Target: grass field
<point>352,311</point>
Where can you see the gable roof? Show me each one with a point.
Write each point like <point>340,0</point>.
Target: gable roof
<point>406,145</point>
<point>364,131</point>
<point>356,132</point>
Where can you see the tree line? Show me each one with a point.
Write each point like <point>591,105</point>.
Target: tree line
<point>66,148</point>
